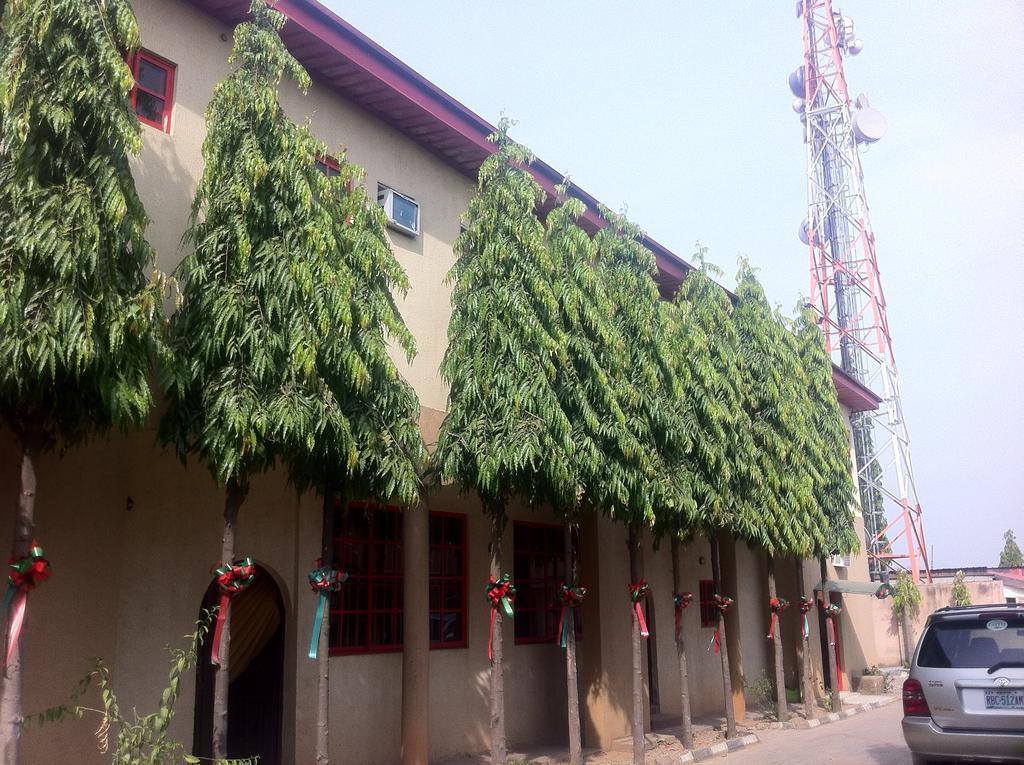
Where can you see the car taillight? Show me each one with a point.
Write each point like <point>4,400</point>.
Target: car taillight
<point>914,704</point>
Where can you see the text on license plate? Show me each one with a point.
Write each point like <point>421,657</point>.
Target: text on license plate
<point>1004,699</point>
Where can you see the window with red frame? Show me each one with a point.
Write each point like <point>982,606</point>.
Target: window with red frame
<point>708,613</point>
<point>538,552</point>
<point>366,615</point>
<point>153,94</point>
<point>328,166</point>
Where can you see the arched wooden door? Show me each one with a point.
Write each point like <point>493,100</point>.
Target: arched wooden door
<point>255,704</point>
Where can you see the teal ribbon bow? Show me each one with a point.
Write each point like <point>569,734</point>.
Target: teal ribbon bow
<point>323,581</point>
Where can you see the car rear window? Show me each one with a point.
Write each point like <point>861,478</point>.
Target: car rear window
<point>974,641</point>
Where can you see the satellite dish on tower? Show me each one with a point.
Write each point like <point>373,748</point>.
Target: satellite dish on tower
<point>804,237</point>
<point>869,125</point>
<point>796,82</point>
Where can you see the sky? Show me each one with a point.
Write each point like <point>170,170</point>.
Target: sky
<point>680,112</point>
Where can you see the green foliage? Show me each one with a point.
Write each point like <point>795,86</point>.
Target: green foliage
<point>827,446</point>
<point>760,693</point>
<point>279,349</point>
<point>658,429</point>
<point>720,460</point>
<point>960,595</point>
<point>906,598</point>
<point>1011,556</point>
<point>783,501</point>
<point>77,315</point>
<point>137,740</point>
<point>594,352</point>
<point>506,433</point>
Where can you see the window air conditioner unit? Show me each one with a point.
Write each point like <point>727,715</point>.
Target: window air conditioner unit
<point>841,561</point>
<point>402,212</point>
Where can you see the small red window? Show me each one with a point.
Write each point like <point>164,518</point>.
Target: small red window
<point>366,616</point>
<point>708,614</point>
<point>328,166</point>
<point>539,573</point>
<point>153,94</point>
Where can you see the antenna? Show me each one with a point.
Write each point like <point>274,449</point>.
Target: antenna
<point>846,289</point>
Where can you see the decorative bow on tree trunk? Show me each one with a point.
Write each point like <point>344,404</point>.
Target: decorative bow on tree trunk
<point>231,579</point>
<point>323,580</point>
<point>500,592</point>
<point>637,592</point>
<point>25,574</point>
<point>777,605</point>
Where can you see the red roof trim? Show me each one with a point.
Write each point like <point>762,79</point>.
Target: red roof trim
<point>374,60</point>
<point>852,394</point>
<point>443,125</point>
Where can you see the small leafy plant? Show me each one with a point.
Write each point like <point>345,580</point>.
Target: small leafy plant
<point>761,692</point>
<point>137,740</point>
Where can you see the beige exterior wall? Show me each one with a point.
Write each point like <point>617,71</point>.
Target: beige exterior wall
<point>129,580</point>
<point>886,627</point>
<point>133,534</point>
<point>170,166</point>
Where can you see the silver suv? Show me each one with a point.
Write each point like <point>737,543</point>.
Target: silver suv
<point>964,699</point>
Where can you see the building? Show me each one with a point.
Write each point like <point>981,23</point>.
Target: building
<point>133,534</point>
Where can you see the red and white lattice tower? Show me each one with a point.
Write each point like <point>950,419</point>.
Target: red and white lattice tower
<point>846,289</point>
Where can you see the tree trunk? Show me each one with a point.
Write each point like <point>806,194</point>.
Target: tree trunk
<point>730,713</point>
<point>782,710</point>
<point>234,496</point>
<point>499,745</point>
<point>416,635</point>
<point>31,442</point>
<point>571,683</point>
<point>684,680</point>
<point>837,703</point>
<point>806,684</point>
<point>323,651</point>
<point>908,649</point>
<point>635,575</point>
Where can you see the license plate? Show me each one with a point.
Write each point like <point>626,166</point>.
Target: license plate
<point>1004,699</point>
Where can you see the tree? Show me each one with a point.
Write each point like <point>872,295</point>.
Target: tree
<point>506,434</point>
<point>1011,556</point>
<point>645,485</point>
<point>960,595</point>
<point>792,521</point>
<point>360,397</point>
<point>827,449</point>
<point>718,462</point>
<point>278,351</point>
<point>906,600</point>
<point>77,315</point>
<point>594,351</point>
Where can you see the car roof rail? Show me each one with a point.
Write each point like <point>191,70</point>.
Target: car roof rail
<point>980,607</point>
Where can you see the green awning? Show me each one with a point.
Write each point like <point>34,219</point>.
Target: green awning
<point>878,589</point>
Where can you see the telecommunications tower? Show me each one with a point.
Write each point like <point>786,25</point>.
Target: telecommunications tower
<point>845,286</point>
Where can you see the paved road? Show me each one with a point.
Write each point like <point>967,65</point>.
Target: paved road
<point>870,738</point>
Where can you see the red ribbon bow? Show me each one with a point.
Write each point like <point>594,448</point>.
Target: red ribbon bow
<point>25,574</point>
<point>777,605</point>
<point>722,603</point>
<point>832,612</point>
<point>637,592</point>
<point>231,579</point>
<point>501,592</point>
<point>681,600</point>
